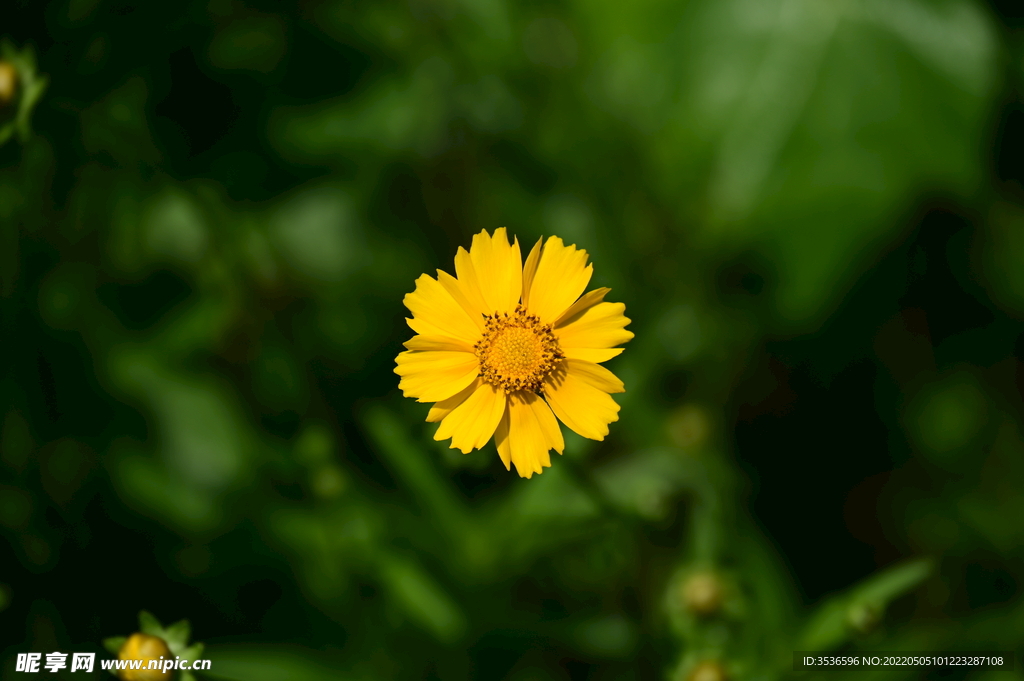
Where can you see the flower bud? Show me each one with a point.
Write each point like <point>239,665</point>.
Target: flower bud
<point>702,593</point>
<point>144,647</point>
<point>864,617</point>
<point>707,670</point>
<point>8,82</point>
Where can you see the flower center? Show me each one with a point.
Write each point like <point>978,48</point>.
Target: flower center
<point>517,352</point>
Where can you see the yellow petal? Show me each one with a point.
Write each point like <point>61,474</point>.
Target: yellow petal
<point>499,269</point>
<point>469,280</point>
<point>599,326</point>
<point>445,407</point>
<point>595,375</point>
<point>433,305</point>
<point>586,301</point>
<point>435,375</point>
<point>471,424</point>
<point>578,404</point>
<point>465,296</point>
<point>533,431</point>
<point>530,270</point>
<point>592,354</point>
<point>437,343</point>
<point>501,441</point>
<point>562,275</point>
<point>426,329</point>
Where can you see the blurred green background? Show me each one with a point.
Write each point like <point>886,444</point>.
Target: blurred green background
<point>812,210</point>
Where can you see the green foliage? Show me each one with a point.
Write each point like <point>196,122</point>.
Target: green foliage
<point>113,643</point>
<point>203,253</point>
<point>271,663</point>
<point>861,608</point>
<point>948,417</point>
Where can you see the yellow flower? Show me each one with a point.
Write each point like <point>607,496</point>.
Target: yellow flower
<point>505,348</point>
<point>144,647</point>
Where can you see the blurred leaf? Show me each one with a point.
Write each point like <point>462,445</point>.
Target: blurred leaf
<point>146,486</point>
<point>422,599</point>
<point>488,104</point>
<point>315,445</point>
<point>831,624</point>
<point>816,123</point>
<point>176,636</point>
<point>64,468</point>
<point>148,624</point>
<point>541,517</point>
<point>547,41</point>
<point>202,433</point>
<point>117,125</point>
<point>252,44</point>
<point>278,379</point>
<point>648,482</point>
<point>174,229</point>
<point>317,232</point>
<point>399,114</point>
<point>946,417</point>
<point>609,637</point>
<point>271,663</point>
<point>414,466</point>
<point>326,546</point>
<point>67,295</point>
<point>114,643</point>
<point>193,652</point>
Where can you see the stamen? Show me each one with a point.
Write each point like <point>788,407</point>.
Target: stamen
<point>517,352</point>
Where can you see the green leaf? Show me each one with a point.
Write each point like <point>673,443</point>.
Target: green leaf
<point>406,457</point>
<point>646,482</point>
<point>114,643</point>
<point>148,624</point>
<point>838,617</point>
<point>177,634</point>
<point>422,599</point>
<point>193,652</point>
<point>117,125</point>
<point>400,113</point>
<point>809,128</point>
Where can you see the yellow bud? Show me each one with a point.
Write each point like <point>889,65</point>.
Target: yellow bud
<point>144,647</point>
<point>702,593</point>
<point>8,82</point>
<point>707,670</point>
